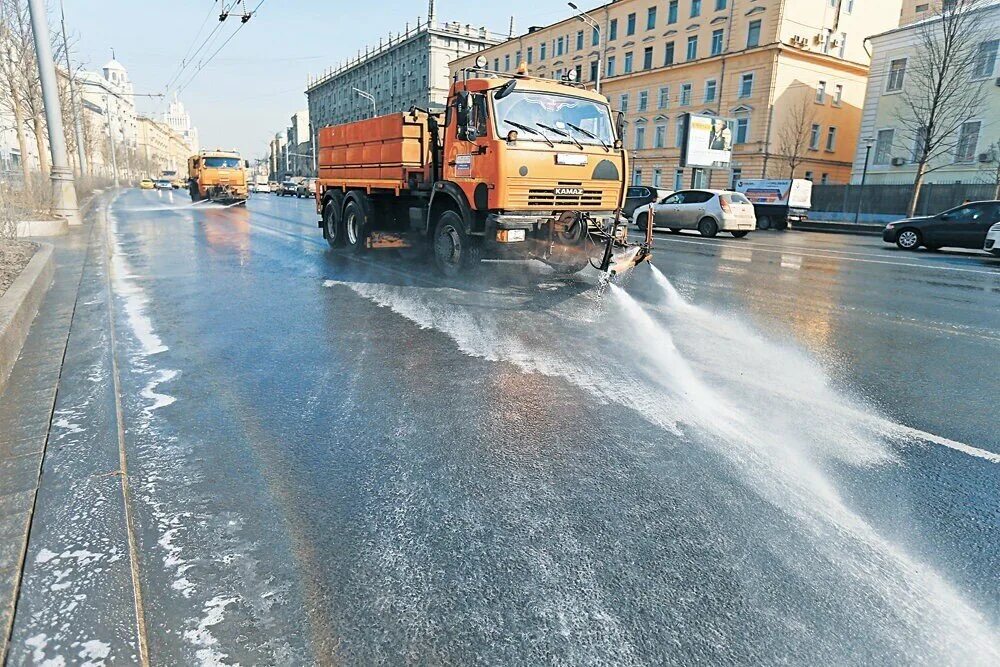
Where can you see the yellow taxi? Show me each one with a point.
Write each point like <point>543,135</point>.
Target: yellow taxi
<point>146,184</point>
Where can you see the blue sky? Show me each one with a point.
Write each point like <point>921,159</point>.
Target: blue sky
<point>254,84</point>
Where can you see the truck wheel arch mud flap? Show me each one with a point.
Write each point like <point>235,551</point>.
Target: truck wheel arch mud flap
<point>448,195</point>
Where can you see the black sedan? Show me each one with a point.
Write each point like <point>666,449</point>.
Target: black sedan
<point>964,226</point>
<point>640,195</point>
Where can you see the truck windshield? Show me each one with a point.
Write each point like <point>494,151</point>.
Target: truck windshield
<point>222,162</point>
<point>585,121</point>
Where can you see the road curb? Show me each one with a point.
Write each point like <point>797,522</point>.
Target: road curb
<point>19,305</point>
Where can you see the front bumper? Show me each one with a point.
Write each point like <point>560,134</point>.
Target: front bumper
<point>889,235</point>
<point>536,233</point>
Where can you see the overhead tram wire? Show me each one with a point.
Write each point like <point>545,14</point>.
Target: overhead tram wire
<point>189,60</point>
<point>184,58</point>
<point>201,65</point>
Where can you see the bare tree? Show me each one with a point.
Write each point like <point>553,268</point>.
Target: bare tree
<point>940,89</point>
<point>795,134</point>
<point>16,55</point>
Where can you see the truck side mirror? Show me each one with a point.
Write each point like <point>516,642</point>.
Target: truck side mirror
<point>246,164</point>
<point>462,109</point>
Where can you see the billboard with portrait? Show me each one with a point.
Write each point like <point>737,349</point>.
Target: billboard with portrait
<point>708,141</point>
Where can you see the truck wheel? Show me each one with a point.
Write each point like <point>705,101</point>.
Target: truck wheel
<point>454,250</point>
<point>707,227</point>
<point>355,226</point>
<point>764,222</point>
<point>333,225</point>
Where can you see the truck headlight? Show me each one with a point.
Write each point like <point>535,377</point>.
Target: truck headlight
<point>510,235</point>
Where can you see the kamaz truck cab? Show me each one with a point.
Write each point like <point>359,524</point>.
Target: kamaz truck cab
<point>219,176</point>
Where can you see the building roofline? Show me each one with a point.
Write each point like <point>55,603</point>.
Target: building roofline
<point>995,4</point>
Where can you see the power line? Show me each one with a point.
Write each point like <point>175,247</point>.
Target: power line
<point>184,58</point>
<point>243,21</point>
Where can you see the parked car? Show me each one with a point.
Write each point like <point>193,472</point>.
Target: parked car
<point>288,187</point>
<point>163,184</point>
<point>307,188</point>
<point>146,184</point>
<point>992,244</point>
<point>964,226</point>
<point>640,195</point>
<point>708,211</point>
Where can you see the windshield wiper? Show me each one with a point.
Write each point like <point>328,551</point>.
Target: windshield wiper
<point>586,133</point>
<point>524,127</point>
<point>561,133</point>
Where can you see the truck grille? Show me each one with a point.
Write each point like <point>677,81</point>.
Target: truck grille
<point>563,195</point>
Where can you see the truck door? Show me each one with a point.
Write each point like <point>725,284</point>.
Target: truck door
<point>467,135</point>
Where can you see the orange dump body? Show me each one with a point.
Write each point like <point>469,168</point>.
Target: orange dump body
<point>383,152</point>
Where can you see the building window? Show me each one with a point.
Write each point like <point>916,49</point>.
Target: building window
<point>541,51</point>
<point>679,132</point>
<point>692,50</point>
<point>496,64</point>
<point>821,92</point>
<point>695,8</point>
<point>630,24</point>
<point>650,18</point>
<point>657,177</point>
<point>720,5</point>
<point>637,177</point>
<point>640,137</point>
<point>593,70</point>
<point>643,100</point>
<point>685,94</point>
<point>986,58</point>
<point>668,56</point>
<point>613,30</point>
<point>559,46</point>
<point>814,137</point>
<point>664,97</point>
<point>647,58</point>
<point>531,53</point>
<point>660,137</point>
<point>824,178</point>
<point>753,34</point>
<point>595,37</point>
<point>628,63</point>
<point>968,138</point>
<point>579,40</point>
<point>746,84</point>
<point>737,174</point>
<point>678,179</point>
<point>698,179</point>
<point>710,89</point>
<point>838,95</point>
<point>623,103</point>
<point>809,176</point>
<point>672,12</point>
<point>883,146</point>
<point>831,139</point>
<point>610,69</point>
<point>517,58</point>
<point>897,74</point>
<point>717,41</point>
<point>506,63</point>
<point>579,72</point>
<point>843,44</point>
<point>850,6</point>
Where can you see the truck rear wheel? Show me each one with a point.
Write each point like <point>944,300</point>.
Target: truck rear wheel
<point>355,226</point>
<point>333,224</point>
<point>454,250</point>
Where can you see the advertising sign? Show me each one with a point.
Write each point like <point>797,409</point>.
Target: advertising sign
<point>708,141</point>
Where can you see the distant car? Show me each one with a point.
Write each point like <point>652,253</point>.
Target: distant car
<point>179,183</point>
<point>964,226</point>
<point>288,187</point>
<point>146,184</point>
<point>306,188</point>
<point>992,244</point>
<point>273,186</point>
<point>163,184</point>
<point>259,187</point>
<point>708,211</point>
<point>640,195</point>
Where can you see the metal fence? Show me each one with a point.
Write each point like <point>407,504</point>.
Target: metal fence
<point>881,203</point>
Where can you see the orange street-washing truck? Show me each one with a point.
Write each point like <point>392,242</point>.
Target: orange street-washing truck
<point>219,176</point>
<point>515,168</point>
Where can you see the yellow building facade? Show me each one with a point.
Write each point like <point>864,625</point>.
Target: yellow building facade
<point>160,147</point>
<point>764,64</point>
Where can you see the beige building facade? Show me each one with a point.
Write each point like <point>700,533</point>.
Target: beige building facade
<point>754,62</point>
<point>160,148</point>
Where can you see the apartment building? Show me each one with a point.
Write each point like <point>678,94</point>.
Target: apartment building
<point>890,148</point>
<point>754,62</point>
<point>159,148</point>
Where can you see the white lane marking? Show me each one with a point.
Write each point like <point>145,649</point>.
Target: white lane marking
<point>845,259</point>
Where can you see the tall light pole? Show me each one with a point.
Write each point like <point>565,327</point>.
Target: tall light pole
<point>111,138</point>
<point>63,191</point>
<point>589,20</point>
<point>81,156</point>
<point>864,175</point>
<point>368,96</point>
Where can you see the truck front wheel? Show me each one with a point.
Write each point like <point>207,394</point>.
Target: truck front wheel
<point>355,226</point>
<point>332,223</point>
<point>454,250</point>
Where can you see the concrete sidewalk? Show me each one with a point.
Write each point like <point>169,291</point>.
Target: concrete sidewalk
<point>65,567</point>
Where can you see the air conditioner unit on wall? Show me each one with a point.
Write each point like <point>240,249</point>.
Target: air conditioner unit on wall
<point>898,161</point>
<point>988,156</point>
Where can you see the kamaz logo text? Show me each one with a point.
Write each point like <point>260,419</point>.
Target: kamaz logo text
<point>569,191</point>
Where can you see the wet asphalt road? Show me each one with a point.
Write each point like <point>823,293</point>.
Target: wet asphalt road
<point>793,457</point>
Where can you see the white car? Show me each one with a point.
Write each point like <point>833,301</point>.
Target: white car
<point>992,243</point>
<point>708,211</point>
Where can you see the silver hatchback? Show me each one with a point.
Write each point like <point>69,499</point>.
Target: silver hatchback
<point>708,211</point>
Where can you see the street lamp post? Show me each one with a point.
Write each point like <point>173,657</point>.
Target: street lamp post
<point>368,96</point>
<point>589,20</point>
<point>63,190</point>
<point>864,175</point>
<point>81,156</point>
